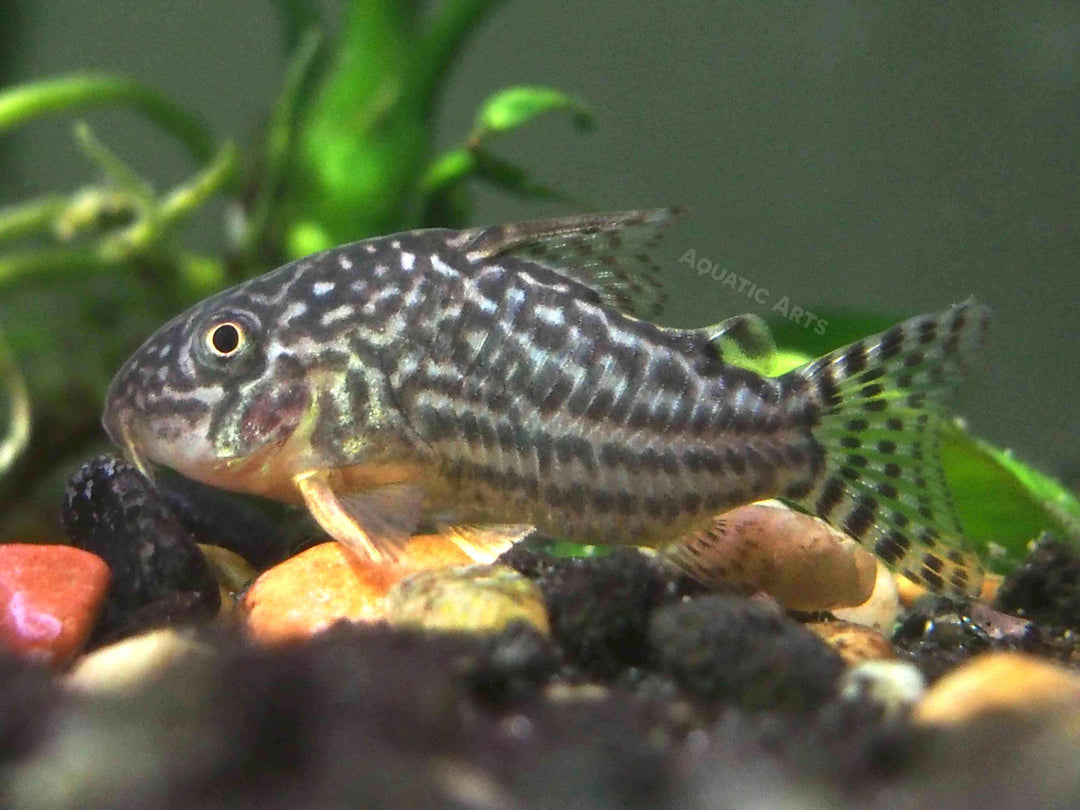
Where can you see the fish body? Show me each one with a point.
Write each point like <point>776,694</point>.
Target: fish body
<point>503,375</point>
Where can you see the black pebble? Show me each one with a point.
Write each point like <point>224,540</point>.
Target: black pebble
<point>158,573</point>
<point>263,535</point>
<point>1046,588</point>
<point>27,701</point>
<point>731,649</point>
<point>599,607</point>
<point>514,665</point>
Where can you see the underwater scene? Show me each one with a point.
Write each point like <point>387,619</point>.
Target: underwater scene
<point>489,404</point>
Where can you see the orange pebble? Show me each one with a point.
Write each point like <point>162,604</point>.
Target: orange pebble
<point>50,598</point>
<point>1000,682</point>
<point>309,592</point>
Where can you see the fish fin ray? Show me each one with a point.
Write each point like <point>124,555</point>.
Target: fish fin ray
<point>374,524</point>
<point>484,543</point>
<point>608,254</point>
<point>880,429</point>
<point>745,341</point>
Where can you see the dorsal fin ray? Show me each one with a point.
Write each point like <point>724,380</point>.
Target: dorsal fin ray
<point>744,341</point>
<point>608,253</point>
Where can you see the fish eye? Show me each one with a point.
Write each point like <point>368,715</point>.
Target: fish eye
<point>226,339</point>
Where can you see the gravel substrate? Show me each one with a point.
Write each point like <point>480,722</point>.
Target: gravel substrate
<point>649,692</point>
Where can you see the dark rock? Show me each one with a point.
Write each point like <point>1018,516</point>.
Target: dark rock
<point>936,634</point>
<point>263,534</point>
<point>515,664</point>
<point>28,697</point>
<point>357,717</point>
<point>599,607</point>
<point>1046,588</point>
<point>733,650</point>
<point>110,509</point>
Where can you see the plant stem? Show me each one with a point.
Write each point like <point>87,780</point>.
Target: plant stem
<point>452,24</point>
<point>36,216</point>
<point>214,177</point>
<point>56,264</point>
<point>17,438</point>
<point>22,103</point>
<point>280,141</point>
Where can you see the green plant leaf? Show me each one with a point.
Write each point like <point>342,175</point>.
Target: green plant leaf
<point>1003,503</point>
<point>279,140</point>
<point>447,170</point>
<point>513,107</point>
<point>441,189</point>
<point>508,177</point>
<point>828,330</point>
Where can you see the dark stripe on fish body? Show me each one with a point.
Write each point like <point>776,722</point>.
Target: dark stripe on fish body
<point>606,408</point>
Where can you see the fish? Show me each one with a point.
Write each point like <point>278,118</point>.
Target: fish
<point>511,376</point>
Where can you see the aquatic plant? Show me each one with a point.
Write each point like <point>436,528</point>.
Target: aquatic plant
<point>346,152</point>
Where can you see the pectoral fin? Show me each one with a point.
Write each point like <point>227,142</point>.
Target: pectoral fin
<point>374,524</point>
<point>484,543</point>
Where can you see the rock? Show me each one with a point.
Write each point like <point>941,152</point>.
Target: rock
<point>309,592</point>
<point>1046,587</point>
<point>158,573</point>
<point>599,606</point>
<point>125,664</point>
<point>896,686</point>
<point>231,572</point>
<point>1000,682</point>
<point>734,650</point>
<point>881,610</point>
<point>854,643</point>
<point>471,598</point>
<point>50,598</point>
<point>798,559</point>
<point>264,535</point>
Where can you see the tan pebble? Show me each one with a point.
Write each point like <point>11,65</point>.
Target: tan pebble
<point>473,598</point>
<point>309,592</point>
<point>894,685</point>
<point>853,642</point>
<point>560,692</point>
<point>881,609</point>
<point>232,573</point>
<point>133,660</point>
<point>797,558</point>
<point>999,682</point>
<point>50,598</point>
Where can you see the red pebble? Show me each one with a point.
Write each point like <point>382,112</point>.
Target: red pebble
<point>50,597</point>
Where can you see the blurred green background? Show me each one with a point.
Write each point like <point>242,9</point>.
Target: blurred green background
<point>880,158</point>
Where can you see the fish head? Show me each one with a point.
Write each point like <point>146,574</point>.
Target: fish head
<point>214,395</point>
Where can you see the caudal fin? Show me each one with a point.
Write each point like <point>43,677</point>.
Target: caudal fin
<point>880,430</point>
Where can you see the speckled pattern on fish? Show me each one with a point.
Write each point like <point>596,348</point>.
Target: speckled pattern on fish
<point>505,375</point>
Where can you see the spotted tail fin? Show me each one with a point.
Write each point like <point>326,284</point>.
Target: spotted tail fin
<point>880,430</point>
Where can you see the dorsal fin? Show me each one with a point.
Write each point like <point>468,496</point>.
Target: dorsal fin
<point>608,253</point>
<point>744,341</point>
